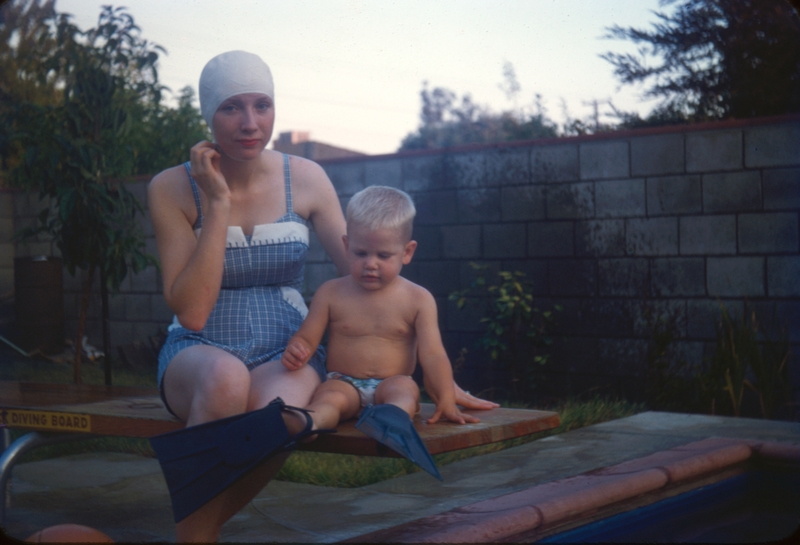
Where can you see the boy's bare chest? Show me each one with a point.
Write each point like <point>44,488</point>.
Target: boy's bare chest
<point>386,319</point>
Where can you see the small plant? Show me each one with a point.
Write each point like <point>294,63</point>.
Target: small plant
<point>747,357</point>
<point>518,334</point>
<point>671,382</point>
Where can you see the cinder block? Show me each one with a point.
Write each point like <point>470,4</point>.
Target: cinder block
<point>713,235</point>
<point>679,276</point>
<point>461,241</point>
<point>735,276</point>
<point>468,170</point>
<point>383,172</point>
<point>6,229</point>
<point>479,205</point>
<point>787,314</point>
<point>316,253</point>
<point>732,192</point>
<point>435,276</point>
<point>6,255</point>
<point>504,240</point>
<point>772,145</point>
<point>620,198</point>
<point>146,281</point>
<point>142,331</point>
<point>781,189</point>
<point>137,307</point>
<point>714,150</point>
<point>783,276</point>
<point>674,195</point>
<point>138,189</point>
<point>656,236</point>
<point>570,201</point>
<point>768,233</point>
<point>160,312</point>
<point>522,203</point>
<point>6,204</point>
<point>572,277</point>
<point>703,316</point>
<point>508,166</point>
<point>535,271</point>
<point>549,239</point>
<point>436,207</point>
<point>423,173</point>
<point>347,178</point>
<point>554,163</point>
<point>429,242</point>
<point>579,354</point>
<point>317,274</point>
<point>6,280</point>
<point>466,318</point>
<point>116,306</point>
<point>607,317</point>
<point>622,357</point>
<point>622,277</point>
<point>600,238</point>
<point>649,314</point>
<point>602,160</point>
<point>656,155</point>
<point>120,333</point>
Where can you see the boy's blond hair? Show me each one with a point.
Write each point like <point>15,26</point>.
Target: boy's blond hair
<point>381,207</point>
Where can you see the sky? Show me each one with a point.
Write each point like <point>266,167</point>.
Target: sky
<point>350,71</point>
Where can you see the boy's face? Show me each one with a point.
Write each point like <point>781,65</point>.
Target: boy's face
<point>376,257</point>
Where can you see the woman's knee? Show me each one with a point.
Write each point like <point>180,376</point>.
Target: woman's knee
<point>210,381</point>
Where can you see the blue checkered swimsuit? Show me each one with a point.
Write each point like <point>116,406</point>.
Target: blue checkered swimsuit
<point>259,306</point>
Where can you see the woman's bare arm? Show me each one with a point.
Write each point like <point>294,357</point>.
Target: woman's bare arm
<point>191,266</point>
<point>317,197</point>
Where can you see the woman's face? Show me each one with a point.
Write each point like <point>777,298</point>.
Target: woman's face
<point>243,125</point>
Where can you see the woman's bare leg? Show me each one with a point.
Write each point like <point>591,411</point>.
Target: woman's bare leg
<point>204,383</point>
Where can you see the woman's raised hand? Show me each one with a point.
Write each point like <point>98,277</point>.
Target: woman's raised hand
<point>205,158</point>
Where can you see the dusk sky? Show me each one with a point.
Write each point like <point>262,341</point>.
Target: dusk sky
<point>350,71</point>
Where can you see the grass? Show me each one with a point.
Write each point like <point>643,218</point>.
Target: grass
<point>335,470</point>
<point>346,471</point>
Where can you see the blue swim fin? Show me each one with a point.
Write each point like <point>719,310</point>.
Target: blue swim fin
<point>391,426</point>
<point>201,461</point>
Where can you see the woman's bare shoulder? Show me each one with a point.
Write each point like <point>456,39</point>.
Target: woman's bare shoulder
<point>307,171</point>
<point>170,177</point>
<point>170,186</point>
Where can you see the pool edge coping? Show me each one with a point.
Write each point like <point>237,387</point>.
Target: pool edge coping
<point>559,500</point>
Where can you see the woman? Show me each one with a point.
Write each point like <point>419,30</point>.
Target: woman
<point>232,233</point>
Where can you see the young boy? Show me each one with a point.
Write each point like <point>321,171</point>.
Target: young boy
<point>378,325</point>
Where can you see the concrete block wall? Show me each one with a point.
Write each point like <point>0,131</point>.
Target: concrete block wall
<point>618,229</point>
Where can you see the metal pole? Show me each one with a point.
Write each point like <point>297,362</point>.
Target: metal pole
<point>15,450</point>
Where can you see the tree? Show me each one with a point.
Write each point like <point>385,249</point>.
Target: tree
<point>163,136</point>
<point>25,37</point>
<point>714,59</point>
<point>76,150</point>
<point>445,123</point>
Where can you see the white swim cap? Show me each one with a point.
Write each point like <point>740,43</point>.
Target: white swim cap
<point>230,74</point>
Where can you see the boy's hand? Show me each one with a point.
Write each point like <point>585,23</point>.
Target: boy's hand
<point>452,414</point>
<point>296,355</point>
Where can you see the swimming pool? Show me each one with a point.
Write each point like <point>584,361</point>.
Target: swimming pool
<point>759,505</point>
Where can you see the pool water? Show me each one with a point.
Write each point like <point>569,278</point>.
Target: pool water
<point>757,506</point>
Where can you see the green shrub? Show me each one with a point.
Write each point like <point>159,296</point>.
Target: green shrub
<point>518,334</point>
<point>746,356</point>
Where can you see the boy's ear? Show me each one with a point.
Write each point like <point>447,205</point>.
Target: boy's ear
<point>408,251</point>
<point>346,243</point>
